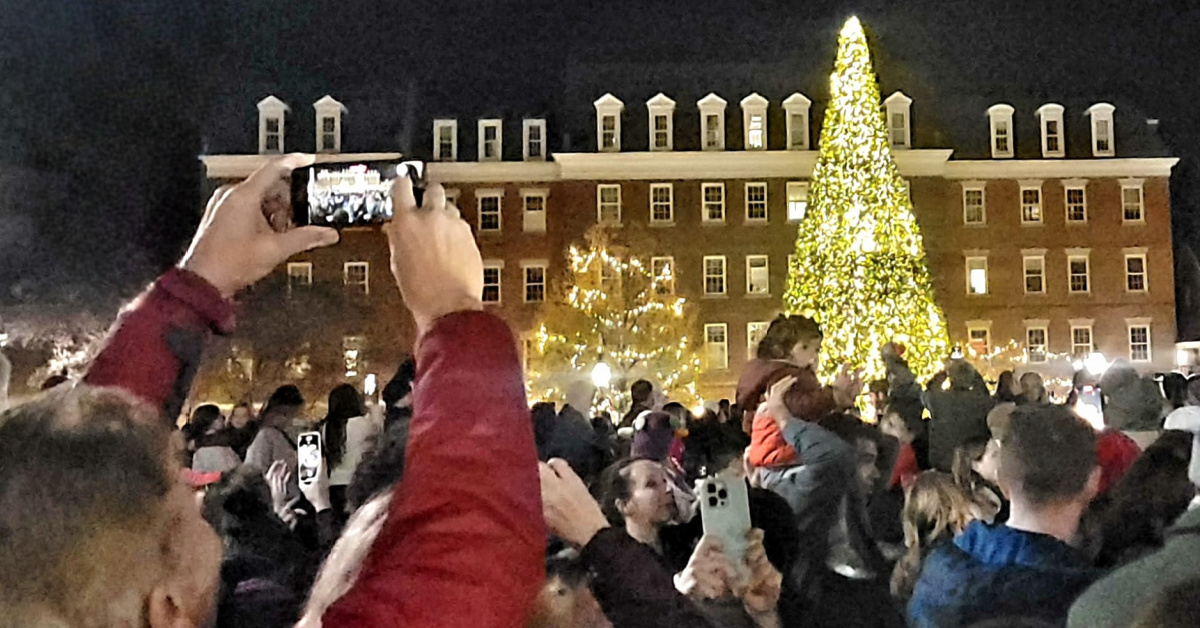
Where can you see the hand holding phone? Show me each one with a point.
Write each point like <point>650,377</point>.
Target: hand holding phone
<point>342,195</point>
<point>725,513</point>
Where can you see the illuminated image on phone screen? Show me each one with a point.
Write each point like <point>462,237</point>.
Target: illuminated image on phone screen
<point>341,195</point>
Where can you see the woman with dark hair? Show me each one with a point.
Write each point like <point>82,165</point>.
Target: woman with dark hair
<point>272,442</point>
<point>1008,390</point>
<point>242,427</point>
<point>348,433</point>
<point>209,442</point>
<point>975,471</point>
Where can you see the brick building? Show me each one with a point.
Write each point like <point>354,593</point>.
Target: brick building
<point>1045,223</point>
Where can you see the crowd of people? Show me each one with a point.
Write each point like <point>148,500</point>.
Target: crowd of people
<point>453,503</point>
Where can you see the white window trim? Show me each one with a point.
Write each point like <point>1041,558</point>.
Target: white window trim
<point>767,260</point>
<point>670,260</point>
<point>608,105</point>
<point>526,264</point>
<point>1130,325</point>
<point>526,126</point>
<point>707,352</point>
<point>766,202</point>
<point>327,107</point>
<point>712,104</point>
<point>980,325</point>
<point>498,265</point>
<point>971,256</point>
<point>438,125</point>
<point>998,113</point>
<point>1044,327</point>
<point>307,274</point>
<point>661,105</point>
<point>670,188</point>
<point>1026,256</point>
<point>1082,323</point>
<point>491,123</point>
<point>1032,185</point>
<point>366,266</point>
<point>1098,112</point>
<point>599,203</point>
<point>272,107</point>
<point>798,104</point>
<point>1052,112</point>
<point>724,275</point>
<point>530,226</point>
<point>1086,256</point>
<point>1140,186</point>
<point>751,346</point>
<point>1142,254</point>
<point>704,219</point>
<point>899,103</point>
<point>975,186</point>
<point>1074,184</point>
<point>788,192</point>
<point>496,193</point>
<point>754,105</point>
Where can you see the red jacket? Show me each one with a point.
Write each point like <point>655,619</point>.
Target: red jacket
<point>1115,453</point>
<point>464,541</point>
<point>806,400</point>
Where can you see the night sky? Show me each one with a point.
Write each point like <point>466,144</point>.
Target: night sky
<point>104,103</point>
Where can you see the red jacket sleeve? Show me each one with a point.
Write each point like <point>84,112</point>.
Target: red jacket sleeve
<point>464,541</point>
<point>154,348</point>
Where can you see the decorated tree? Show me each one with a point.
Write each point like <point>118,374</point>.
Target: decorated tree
<point>860,267</point>
<point>611,308</point>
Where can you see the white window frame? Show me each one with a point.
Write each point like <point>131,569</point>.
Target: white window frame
<point>1030,186</point>
<point>365,284</point>
<point>766,209</point>
<point>753,329</point>
<point>1102,117</point>
<point>271,108</point>
<point>1144,324</point>
<point>972,259</point>
<point>712,105</point>
<point>600,204</point>
<point>526,266</point>
<point>1052,113</point>
<point>1002,115</point>
<point>974,186</point>
<point>1073,185</point>
<point>1139,253</point>
<point>1138,185</point>
<point>704,203</point>
<point>754,106</point>
<point>799,135</point>
<point>1038,256</point>
<point>669,262</point>
<point>766,266</point>
<point>1074,255</point>
<point>661,106</point>
<point>984,326</point>
<point>724,276</point>
<point>1080,324</point>
<point>792,206</point>
<point>527,127</point>
<point>325,108</point>
<point>669,205</point>
<point>709,345</point>
<point>534,221</point>
<point>498,126</point>
<point>606,106</point>
<point>498,266</point>
<point>299,270</point>
<point>490,193</point>
<point>1030,355</point>
<point>438,154</point>
<point>899,105</point>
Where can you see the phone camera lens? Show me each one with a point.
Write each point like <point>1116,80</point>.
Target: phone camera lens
<point>712,501</point>
<point>712,488</point>
<point>723,494</point>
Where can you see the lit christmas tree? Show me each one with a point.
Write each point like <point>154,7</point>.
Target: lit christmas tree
<point>860,267</point>
<point>612,308</point>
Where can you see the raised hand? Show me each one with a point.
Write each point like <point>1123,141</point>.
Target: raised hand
<point>568,507</point>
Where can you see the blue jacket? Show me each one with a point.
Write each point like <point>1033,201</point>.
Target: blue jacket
<point>996,571</point>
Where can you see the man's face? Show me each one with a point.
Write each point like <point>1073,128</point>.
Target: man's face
<point>868,468</point>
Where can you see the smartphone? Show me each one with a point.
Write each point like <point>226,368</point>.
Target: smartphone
<point>308,447</point>
<point>956,354</point>
<point>345,194</point>
<point>1090,406</point>
<point>725,514</point>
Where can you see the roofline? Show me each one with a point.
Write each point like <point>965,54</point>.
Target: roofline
<point>240,166</point>
<point>1060,168</point>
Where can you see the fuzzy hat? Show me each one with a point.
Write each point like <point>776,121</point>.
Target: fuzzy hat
<point>654,435</point>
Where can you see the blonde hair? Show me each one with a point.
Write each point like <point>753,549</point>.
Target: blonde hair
<point>935,510</point>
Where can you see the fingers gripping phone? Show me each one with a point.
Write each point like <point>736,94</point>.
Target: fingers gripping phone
<point>725,513</point>
<point>308,447</point>
<point>350,194</point>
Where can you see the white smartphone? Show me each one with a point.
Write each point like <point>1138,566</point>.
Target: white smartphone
<point>725,513</point>
<point>308,447</point>
<point>1089,406</point>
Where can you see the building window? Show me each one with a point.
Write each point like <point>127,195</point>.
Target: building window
<point>714,275</point>
<point>1001,137</point>
<point>352,354</point>
<point>535,282</point>
<point>712,121</point>
<point>608,123</point>
<point>797,200</point>
<point>608,131</point>
<point>1035,344</point>
<point>1102,130</point>
<point>357,276</point>
<point>274,135</point>
<point>489,211</point>
<point>754,114</point>
<point>797,132</point>
<point>714,202</point>
<point>1031,203</point>
<point>662,203</point>
<point>1081,340</point>
<point>754,335</point>
<point>1051,115</point>
<point>535,139</point>
<point>758,276</point>
<point>299,275</point>
<point>328,134</point>
<point>974,204</point>
<point>1132,201</point>
<point>491,281</point>
<point>756,202</point>
<point>662,132</point>
<point>1035,274</point>
<point>445,140</point>
<point>271,112</point>
<point>489,140</point>
<point>535,210</point>
<point>663,269</point>
<point>977,275</point>
<point>1001,117</point>
<point>712,131</point>
<point>1139,343</point>
<point>1135,272</point>
<point>898,106</point>
<point>716,345</point>
<point>329,124</point>
<point>1077,273</point>
<point>979,336</point>
<point>608,204</point>
<point>1076,203</point>
<point>755,135</point>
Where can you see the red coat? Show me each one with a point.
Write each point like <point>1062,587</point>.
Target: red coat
<point>1115,453</point>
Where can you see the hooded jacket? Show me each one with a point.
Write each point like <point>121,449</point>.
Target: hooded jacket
<point>993,571</point>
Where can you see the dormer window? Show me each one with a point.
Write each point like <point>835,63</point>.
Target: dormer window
<point>445,140</point>
<point>1052,130</point>
<point>797,107</point>
<point>490,140</point>
<point>329,124</point>
<point>271,118</point>
<point>712,122</point>
<point>608,123</point>
<point>754,119</point>
<point>1103,141</point>
<point>535,139</point>
<point>1001,117</point>
<point>662,122</point>
<point>899,109</point>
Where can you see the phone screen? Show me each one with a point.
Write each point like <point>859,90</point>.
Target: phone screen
<point>1089,406</point>
<point>308,447</point>
<point>345,195</point>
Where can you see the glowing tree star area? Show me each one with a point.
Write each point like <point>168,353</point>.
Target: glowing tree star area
<point>860,267</point>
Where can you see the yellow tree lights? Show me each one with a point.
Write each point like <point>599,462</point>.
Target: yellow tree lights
<point>860,266</point>
<point>612,308</point>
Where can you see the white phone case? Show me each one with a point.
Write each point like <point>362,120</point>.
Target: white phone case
<point>308,450</point>
<point>725,513</point>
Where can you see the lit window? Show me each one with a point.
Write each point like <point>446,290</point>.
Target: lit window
<point>758,277</point>
<point>357,276</point>
<point>979,336</point>
<point>754,119</point>
<point>797,200</point>
<point>608,204</point>
<point>489,212</point>
<point>663,269</point>
<point>535,210</point>
<point>489,140</point>
<point>754,335</point>
<point>1035,274</point>
<point>756,202</point>
<point>1135,272</point>
<point>352,354</point>
<point>714,275</point>
<point>1132,201</point>
<point>535,283</point>
<point>445,140</point>
<point>1139,343</point>
<point>977,275</point>
<point>1077,271</point>
<point>1035,344</point>
<point>716,345</point>
<point>714,202</point>
<point>1076,204</point>
<point>1031,205</point>
<point>1102,130</point>
<point>535,139</point>
<point>299,275</point>
<point>974,205</point>
<point>662,205</point>
<point>491,281</point>
<point>1081,341</point>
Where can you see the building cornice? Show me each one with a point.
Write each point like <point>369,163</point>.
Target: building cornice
<point>723,164</point>
<point>240,166</point>
<point>1060,168</point>
<point>494,172</point>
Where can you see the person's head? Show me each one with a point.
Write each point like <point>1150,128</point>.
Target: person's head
<point>1174,388</point>
<point>976,458</point>
<point>580,395</point>
<point>680,415</point>
<point>1033,389</point>
<point>1007,389</point>
<point>565,599</point>
<point>1047,457</point>
<point>654,436</point>
<point>641,391</point>
<point>89,491</point>
<point>206,419</point>
<point>893,424</point>
<point>869,473</point>
<point>344,404</point>
<point>962,375</point>
<point>240,416</point>
<point>282,406</point>
<point>1193,390</point>
<point>397,393</point>
<point>636,492</point>
<point>793,338</point>
<point>936,509</point>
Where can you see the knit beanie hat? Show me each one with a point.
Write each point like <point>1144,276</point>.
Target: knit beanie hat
<point>654,435</point>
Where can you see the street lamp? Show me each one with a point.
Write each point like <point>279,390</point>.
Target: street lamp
<point>601,375</point>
